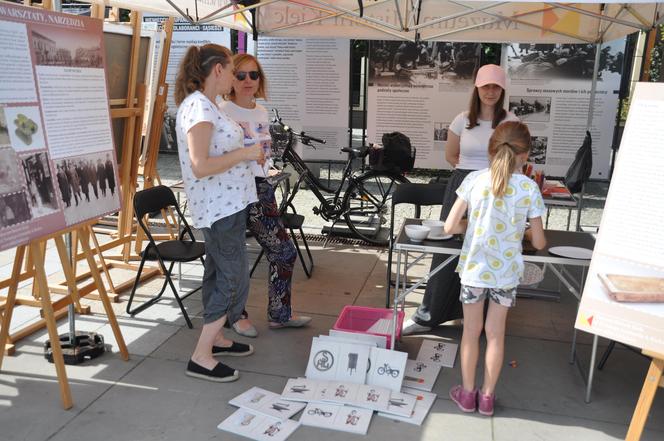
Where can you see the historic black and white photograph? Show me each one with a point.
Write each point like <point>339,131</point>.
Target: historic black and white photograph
<point>4,129</point>
<point>87,186</point>
<point>575,61</point>
<point>531,108</point>
<point>39,180</point>
<point>14,209</point>
<point>440,130</point>
<point>10,175</point>
<point>538,149</point>
<point>393,63</point>
<point>54,47</point>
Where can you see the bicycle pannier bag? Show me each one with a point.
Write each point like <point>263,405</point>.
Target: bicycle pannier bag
<point>580,169</point>
<point>397,154</point>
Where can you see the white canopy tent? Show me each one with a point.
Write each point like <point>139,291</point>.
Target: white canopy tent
<point>444,20</point>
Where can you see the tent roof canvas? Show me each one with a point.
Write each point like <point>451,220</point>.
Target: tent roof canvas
<point>443,20</point>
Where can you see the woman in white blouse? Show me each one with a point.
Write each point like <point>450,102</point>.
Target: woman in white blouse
<point>219,186</point>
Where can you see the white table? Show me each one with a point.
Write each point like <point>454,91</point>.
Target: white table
<point>557,265</point>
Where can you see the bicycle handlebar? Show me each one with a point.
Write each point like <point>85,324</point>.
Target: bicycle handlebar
<point>303,137</point>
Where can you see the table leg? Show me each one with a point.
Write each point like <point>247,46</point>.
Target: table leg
<point>591,368</point>
<point>395,310</point>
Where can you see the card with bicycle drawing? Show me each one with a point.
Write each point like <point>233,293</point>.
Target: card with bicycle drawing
<point>421,374</point>
<point>442,353</point>
<point>336,417</point>
<point>387,368</point>
<point>258,427</point>
<point>320,415</point>
<point>267,403</point>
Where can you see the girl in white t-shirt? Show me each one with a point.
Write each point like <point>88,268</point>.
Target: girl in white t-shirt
<point>219,185</point>
<point>466,151</point>
<point>498,201</point>
<point>264,220</point>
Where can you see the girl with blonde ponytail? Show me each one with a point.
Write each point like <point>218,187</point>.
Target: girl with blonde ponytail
<point>498,200</point>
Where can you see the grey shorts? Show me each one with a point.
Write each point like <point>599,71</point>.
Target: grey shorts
<point>504,297</point>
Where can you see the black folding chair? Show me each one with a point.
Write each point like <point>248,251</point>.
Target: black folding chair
<point>292,222</point>
<point>158,199</point>
<point>418,195</point>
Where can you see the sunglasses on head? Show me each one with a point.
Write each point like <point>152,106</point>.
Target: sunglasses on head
<point>242,75</point>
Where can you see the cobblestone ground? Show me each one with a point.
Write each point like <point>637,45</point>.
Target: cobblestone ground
<point>305,200</point>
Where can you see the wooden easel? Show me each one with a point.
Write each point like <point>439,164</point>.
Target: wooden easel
<point>652,382</point>
<point>36,259</point>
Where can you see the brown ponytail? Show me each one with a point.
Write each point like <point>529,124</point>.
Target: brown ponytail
<point>510,139</point>
<point>195,67</point>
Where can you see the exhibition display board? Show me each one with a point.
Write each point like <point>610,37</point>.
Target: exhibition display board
<point>623,297</point>
<point>57,160</point>
<point>307,82</point>
<point>418,89</point>
<point>184,35</point>
<point>549,89</point>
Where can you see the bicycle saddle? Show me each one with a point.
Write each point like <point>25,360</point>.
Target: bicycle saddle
<point>356,153</point>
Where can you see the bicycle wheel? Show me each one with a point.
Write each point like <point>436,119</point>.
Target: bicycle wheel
<point>367,205</point>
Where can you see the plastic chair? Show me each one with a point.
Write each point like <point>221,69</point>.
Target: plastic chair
<point>418,195</point>
<point>152,200</point>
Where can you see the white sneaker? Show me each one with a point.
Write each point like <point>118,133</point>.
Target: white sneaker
<point>411,327</point>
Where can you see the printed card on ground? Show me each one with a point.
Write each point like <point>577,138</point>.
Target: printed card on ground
<point>421,375</point>
<point>401,404</point>
<point>387,368</point>
<point>268,403</point>
<point>373,397</point>
<point>258,427</point>
<point>323,360</point>
<point>300,389</point>
<point>438,352</point>
<point>335,417</point>
<point>353,362</point>
<point>342,392</point>
<point>373,340</point>
<point>423,403</point>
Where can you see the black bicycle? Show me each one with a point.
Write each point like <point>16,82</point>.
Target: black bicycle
<point>363,199</point>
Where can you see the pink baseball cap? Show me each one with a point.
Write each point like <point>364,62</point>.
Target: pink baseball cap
<point>490,74</point>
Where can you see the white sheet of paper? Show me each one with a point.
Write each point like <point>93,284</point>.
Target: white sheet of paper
<point>439,352</point>
<point>258,427</point>
<point>421,375</point>
<point>300,389</point>
<point>423,403</point>
<point>401,404</point>
<point>335,417</point>
<point>341,392</point>
<point>387,368</point>
<point>373,397</point>
<point>353,362</point>
<point>373,340</point>
<point>323,390</point>
<point>323,360</point>
<point>382,326</point>
<point>268,403</point>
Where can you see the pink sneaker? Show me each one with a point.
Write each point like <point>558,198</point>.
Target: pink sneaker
<point>467,401</point>
<point>485,403</point>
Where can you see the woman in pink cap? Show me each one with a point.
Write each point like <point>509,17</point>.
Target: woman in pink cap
<point>466,150</point>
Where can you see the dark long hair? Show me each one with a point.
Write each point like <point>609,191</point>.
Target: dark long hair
<point>499,113</point>
<point>195,67</point>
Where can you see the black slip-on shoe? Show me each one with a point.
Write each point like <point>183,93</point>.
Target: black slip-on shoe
<point>220,373</point>
<point>235,350</point>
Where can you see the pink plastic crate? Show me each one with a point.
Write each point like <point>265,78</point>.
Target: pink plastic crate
<point>361,318</point>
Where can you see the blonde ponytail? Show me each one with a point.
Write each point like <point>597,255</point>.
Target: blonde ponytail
<point>195,67</point>
<point>510,139</point>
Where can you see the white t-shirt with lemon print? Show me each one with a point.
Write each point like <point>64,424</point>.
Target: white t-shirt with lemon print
<point>491,254</point>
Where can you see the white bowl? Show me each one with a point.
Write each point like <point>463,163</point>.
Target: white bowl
<point>417,233</point>
<point>437,227</point>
